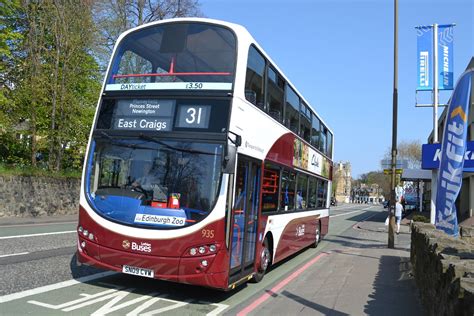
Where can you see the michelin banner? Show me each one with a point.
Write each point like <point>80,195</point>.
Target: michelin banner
<point>453,150</point>
<point>425,57</point>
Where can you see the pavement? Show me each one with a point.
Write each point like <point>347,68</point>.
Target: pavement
<point>359,275</point>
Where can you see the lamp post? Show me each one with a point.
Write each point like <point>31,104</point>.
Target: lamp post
<point>391,231</point>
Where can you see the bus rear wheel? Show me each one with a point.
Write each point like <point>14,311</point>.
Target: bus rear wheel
<point>318,235</point>
<point>265,261</point>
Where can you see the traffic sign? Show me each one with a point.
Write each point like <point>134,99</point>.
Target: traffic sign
<point>400,163</point>
<point>389,171</point>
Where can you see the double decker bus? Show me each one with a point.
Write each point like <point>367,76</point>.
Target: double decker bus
<point>204,164</point>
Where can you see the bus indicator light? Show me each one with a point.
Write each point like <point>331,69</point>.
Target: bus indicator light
<point>80,229</point>
<point>83,244</point>
<point>91,236</point>
<point>193,251</point>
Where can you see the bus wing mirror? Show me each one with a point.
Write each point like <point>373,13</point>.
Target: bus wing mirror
<point>230,159</point>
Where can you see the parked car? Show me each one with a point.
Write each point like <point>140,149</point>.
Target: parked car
<point>411,203</point>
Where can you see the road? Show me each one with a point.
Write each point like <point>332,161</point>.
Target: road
<point>39,276</point>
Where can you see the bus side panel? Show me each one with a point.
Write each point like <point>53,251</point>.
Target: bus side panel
<point>295,236</point>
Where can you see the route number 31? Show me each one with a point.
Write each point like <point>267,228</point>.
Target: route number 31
<point>194,116</point>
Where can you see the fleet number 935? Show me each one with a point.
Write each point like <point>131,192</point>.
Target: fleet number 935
<point>207,233</point>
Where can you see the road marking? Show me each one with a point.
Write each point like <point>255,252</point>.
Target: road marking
<point>38,224</point>
<point>36,235</point>
<point>365,209</point>
<point>279,286</point>
<point>51,287</point>
<point>14,254</point>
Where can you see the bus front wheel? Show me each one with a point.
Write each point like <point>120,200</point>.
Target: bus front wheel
<point>265,260</point>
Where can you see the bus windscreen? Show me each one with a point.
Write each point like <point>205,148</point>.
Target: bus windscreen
<point>179,56</point>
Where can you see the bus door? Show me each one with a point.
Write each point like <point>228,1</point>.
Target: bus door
<point>244,218</point>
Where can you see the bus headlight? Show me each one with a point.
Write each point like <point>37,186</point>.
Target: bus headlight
<point>204,263</point>
<point>202,250</point>
<point>212,248</point>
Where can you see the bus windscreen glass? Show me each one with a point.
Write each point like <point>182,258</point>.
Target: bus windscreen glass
<point>152,183</point>
<point>178,56</point>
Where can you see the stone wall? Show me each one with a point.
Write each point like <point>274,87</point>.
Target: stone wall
<point>24,196</point>
<point>444,270</point>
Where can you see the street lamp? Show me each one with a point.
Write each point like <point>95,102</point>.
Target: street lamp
<point>391,225</point>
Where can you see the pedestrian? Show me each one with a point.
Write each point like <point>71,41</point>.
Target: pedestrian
<point>398,214</point>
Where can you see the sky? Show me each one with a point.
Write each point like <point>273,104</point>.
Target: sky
<point>339,55</point>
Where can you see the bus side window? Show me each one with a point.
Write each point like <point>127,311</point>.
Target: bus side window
<point>254,84</point>
<point>270,186</point>
<point>292,112</point>
<point>312,193</point>
<point>275,94</point>
<point>287,191</point>
<point>305,122</point>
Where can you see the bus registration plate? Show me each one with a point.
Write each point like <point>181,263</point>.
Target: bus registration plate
<point>138,271</point>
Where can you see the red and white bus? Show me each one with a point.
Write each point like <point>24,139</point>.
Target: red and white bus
<point>204,165</point>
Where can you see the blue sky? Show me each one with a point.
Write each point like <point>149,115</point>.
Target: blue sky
<point>339,55</point>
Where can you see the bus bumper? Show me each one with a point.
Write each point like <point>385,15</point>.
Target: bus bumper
<point>189,270</point>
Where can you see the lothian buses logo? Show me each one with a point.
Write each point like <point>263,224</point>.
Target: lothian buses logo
<point>125,244</point>
<point>142,246</point>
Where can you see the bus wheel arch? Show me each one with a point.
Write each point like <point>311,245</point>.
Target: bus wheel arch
<point>264,260</point>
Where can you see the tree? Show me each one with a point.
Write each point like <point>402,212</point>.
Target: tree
<point>56,79</point>
<point>113,17</point>
<point>409,150</point>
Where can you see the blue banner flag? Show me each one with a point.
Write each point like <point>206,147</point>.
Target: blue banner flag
<point>445,57</point>
<point>424,35</point>
<point>453,150</point>
<point>425,61</point>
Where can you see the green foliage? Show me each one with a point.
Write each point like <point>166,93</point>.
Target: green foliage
<point>50,76</point>
<point>28,170</point>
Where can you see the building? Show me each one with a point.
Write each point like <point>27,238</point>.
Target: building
<point>342,180</point>
<point>365,193</point>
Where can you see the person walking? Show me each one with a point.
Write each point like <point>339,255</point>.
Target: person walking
<point>398,214</point>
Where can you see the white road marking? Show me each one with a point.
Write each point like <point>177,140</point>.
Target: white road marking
<point>365,209</point>
<point>14,254</point>
<point>38,224</point>
<point>40,234</point>
<point>51,287</point>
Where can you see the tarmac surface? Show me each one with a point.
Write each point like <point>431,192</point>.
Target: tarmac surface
<point>356,273</point>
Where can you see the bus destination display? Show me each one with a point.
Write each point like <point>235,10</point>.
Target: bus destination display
<point>158,115</point>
